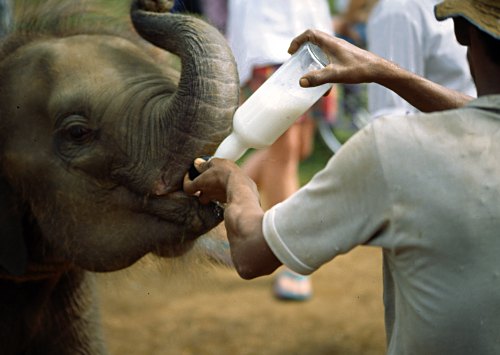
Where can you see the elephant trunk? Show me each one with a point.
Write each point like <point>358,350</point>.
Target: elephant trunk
<point>199,114</point>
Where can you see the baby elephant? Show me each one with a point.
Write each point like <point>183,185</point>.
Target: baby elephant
<point>97,131</point>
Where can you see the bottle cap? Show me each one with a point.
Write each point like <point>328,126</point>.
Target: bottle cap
<point>317,54</point>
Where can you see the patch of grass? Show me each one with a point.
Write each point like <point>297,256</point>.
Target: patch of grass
<point>315,162</point>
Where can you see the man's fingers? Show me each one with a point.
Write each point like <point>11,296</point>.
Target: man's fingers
<point>198,167</point>
<point>307,36</point>
<point>316,78</point>
<point>304,82</point>
<point>188,185</point>
<point>200,164</point>
<point>294,46</point>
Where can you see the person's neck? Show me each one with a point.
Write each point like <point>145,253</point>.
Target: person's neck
<point>484,69</point>
<point>489,89</point>
<point>486,76</point>
<point>487,82</point>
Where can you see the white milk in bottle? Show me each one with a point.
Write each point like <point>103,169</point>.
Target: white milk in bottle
<point>268,113</point>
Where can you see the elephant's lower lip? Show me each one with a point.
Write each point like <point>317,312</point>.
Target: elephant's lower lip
<point>186,212</point>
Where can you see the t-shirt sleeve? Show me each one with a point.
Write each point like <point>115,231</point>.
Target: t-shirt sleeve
<point>343,206</point>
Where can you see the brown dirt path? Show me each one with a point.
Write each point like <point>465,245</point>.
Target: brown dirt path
<point>187,307</point>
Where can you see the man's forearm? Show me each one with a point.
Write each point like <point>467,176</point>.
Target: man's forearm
<point>423,94</point>
<point>243,218</point>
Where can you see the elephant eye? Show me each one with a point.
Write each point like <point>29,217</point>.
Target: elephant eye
<point>73,135</point>
<point>79,132</point>
<point>76,129</point>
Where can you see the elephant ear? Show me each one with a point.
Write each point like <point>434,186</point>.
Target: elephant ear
<point>13,253</point>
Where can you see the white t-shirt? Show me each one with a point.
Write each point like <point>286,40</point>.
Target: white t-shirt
<point>426,190</point>
<point>407,33</point>
<point>260,31</point>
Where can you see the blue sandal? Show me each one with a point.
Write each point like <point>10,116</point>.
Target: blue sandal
<point>291,286</point>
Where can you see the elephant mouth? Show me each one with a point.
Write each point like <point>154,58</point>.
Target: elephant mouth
<point>186,213</point>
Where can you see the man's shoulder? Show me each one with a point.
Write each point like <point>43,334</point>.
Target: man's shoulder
<point>489,103</point>
<point>399,131</point>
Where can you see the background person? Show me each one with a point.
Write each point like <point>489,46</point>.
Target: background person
<point>259,33</point>
<point>350,24</point>
<point>214,11</point>
<point>189,6</point>
<point>407,33</point>
<point>438,227</point>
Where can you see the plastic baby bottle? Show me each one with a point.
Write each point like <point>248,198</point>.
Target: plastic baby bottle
<point>268,113</point>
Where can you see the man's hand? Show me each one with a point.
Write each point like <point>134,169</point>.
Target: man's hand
<point>209,185</point>
<point>219,180</point>
<point>348,63</point>
<point>223,181</point>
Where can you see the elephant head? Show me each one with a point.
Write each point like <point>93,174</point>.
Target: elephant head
<point>96,134</point>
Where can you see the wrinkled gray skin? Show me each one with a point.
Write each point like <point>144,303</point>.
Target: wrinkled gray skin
<point>95,138</point>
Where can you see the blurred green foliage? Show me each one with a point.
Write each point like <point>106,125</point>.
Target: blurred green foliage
<point>315,162</point>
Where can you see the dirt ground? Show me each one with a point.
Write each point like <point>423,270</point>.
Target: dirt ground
<point>186,306</point>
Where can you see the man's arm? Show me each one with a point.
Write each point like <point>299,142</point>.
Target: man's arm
<point>353,65</point>
<point>223,181</point>
<point>422,93</point>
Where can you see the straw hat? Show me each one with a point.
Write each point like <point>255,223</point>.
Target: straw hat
<point>484,14</point>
